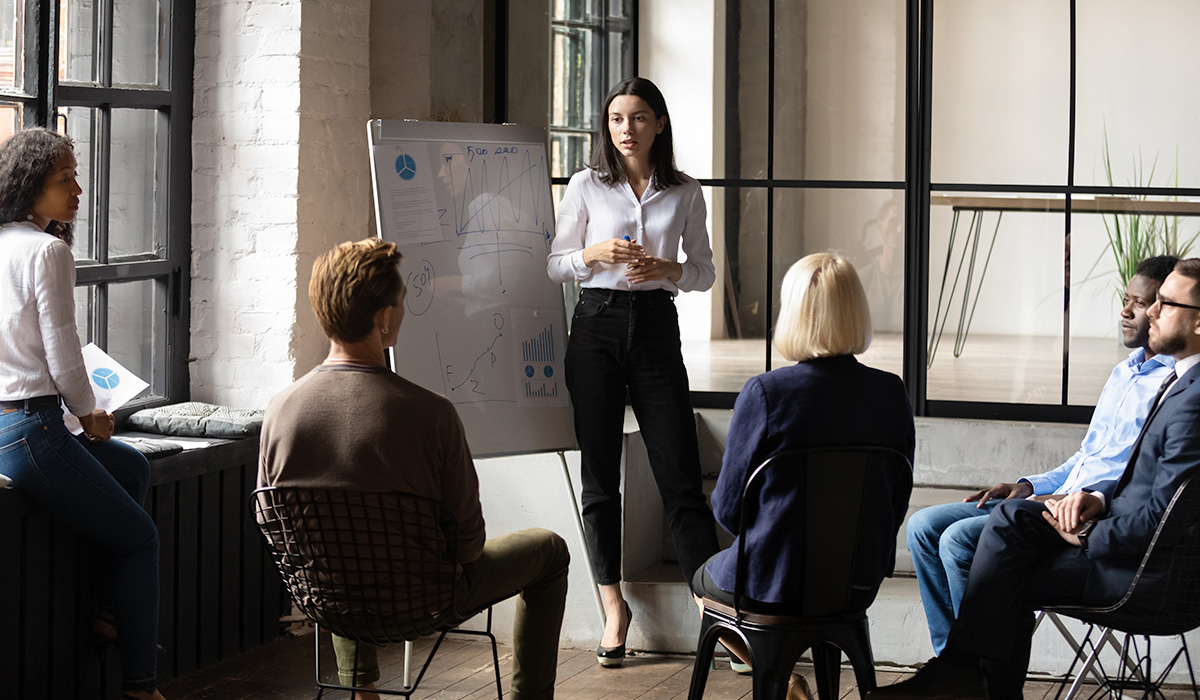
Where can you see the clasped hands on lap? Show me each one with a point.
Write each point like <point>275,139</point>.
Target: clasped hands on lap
<point>639,266</point>
<point>1066,514</point>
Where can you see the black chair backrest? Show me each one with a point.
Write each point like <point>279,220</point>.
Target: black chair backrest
<point>844,493</point>
<point>376,567</point>
<point>1164,598</point>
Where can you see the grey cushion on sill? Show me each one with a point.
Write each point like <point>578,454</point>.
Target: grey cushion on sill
<point>195,419</point>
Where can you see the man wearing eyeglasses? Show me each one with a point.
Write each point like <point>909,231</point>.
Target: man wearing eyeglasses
<point>942,538</point>
<point>1083,549</point>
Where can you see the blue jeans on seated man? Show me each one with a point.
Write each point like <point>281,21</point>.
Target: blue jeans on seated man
<point>942,541</point>
<point>96,488</point>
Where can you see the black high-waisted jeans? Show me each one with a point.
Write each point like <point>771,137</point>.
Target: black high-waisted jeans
<point>630,341</point>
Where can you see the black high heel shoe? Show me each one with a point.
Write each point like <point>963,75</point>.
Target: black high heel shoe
<point>614,657</point>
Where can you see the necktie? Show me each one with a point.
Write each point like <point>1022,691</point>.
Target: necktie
<point>1162,390</point>
<point>1137,445</point>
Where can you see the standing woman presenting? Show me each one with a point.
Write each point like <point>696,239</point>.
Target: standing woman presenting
<point>618,232</point>
<point>93,484</point>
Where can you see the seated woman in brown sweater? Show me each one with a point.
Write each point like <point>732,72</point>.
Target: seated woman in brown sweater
<point>351,423</point>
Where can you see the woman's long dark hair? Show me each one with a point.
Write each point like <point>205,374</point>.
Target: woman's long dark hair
<point>26,160</point>
<point>608,161</point>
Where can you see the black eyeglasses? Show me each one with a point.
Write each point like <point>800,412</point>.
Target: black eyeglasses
<point>1165,302</point>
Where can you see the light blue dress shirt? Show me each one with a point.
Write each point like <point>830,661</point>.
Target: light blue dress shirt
<point>1120,412</point>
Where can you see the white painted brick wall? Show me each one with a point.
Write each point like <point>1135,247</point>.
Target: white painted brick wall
<point>246,165</point>
<point>335,182</point>
<point>279,176</point>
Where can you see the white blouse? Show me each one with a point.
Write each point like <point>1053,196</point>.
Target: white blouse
<point>39,346</point>
<point>592,212</point>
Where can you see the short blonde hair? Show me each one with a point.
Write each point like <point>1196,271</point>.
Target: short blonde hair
<point>351,283</point>
<point>823,310</point>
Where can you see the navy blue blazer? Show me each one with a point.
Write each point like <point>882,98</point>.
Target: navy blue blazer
<point>824,401</point>
<point>1164,455</point>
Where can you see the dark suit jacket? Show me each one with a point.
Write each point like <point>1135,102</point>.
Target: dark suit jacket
<point>826,401</point>
<point>1165,454</point>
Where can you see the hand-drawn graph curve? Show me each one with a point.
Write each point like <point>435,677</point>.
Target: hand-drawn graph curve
<point>501,208</point>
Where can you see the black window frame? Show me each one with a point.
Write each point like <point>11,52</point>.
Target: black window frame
<point>168,268</point>
<point>917,188</point>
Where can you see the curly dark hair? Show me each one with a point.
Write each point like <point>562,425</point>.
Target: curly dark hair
<point>26,160</point>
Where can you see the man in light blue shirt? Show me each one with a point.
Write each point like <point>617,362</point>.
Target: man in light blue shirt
<point>942,538</point>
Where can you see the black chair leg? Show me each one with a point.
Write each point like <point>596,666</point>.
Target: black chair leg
<point>704,658</point>
<point>770,683</point>
<point>827,663</point>
<point>857,647</point>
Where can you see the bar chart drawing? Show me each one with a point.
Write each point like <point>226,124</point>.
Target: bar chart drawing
<point>539,345</point>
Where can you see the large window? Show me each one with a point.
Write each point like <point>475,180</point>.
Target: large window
<point>592,48</point>
<point>116,76</point>
<point>987,166</point>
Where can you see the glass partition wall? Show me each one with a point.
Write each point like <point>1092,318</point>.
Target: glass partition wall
<point>982,163</point>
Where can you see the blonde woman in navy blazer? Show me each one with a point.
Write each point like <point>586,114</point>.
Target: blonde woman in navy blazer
<point>826,398</point>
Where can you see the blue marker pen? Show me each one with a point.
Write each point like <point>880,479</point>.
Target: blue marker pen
<point>628,238</point>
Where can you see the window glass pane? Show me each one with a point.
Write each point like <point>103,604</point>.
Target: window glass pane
<point>578,10</point>
<point>1097,287</point>
<point>744,152</point>
<point>77,56</point>
<point>10,120</point>
<point>575,92</point>
<point>1001,79</point>
<point>620,9</point>
<point>133,225</point>
<point>569,153</point>
<point>134,331</point>
<point>83,313</point>
<point>867,228</point>
<point>840,92</point>
<point>619,60</point>
<point>722,344</point>
<point>1133,60</point>
<point>137,26</point>
<point>12,30</point>
<point>80,127</point>
<point>996,299</point>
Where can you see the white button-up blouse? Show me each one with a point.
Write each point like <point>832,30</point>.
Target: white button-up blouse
<point>39,346</point>
<point>663,222</point>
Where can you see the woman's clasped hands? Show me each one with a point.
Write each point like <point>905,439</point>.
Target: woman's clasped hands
<point>639,266</point>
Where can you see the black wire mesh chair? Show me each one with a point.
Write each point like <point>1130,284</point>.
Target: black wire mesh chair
<point>843,489</point>
<point>377,568</point>
<point>1162,600</point>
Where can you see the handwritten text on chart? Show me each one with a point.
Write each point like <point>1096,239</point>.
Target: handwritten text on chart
<point>421,283</point>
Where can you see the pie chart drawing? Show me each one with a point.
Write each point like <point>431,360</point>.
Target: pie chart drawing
<point>406,167</point>
<point>106,378</point>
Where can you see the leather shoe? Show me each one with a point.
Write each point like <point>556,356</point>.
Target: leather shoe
<point>798,688</point>
<point>937,680</point>
<point>615,656</point>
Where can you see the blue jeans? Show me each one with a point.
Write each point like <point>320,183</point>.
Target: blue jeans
<point>623,341</point>
<point>942,541</point>
<point>97,489</point>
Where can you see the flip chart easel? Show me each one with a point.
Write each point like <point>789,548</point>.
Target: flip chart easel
<point>469,206</point>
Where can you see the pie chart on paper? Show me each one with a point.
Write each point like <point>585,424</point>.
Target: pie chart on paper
<point>106,378</point>
<point>406,167</point>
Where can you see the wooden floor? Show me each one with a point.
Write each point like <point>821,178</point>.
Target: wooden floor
<point>1004,369</point>
<point>283,670</point>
